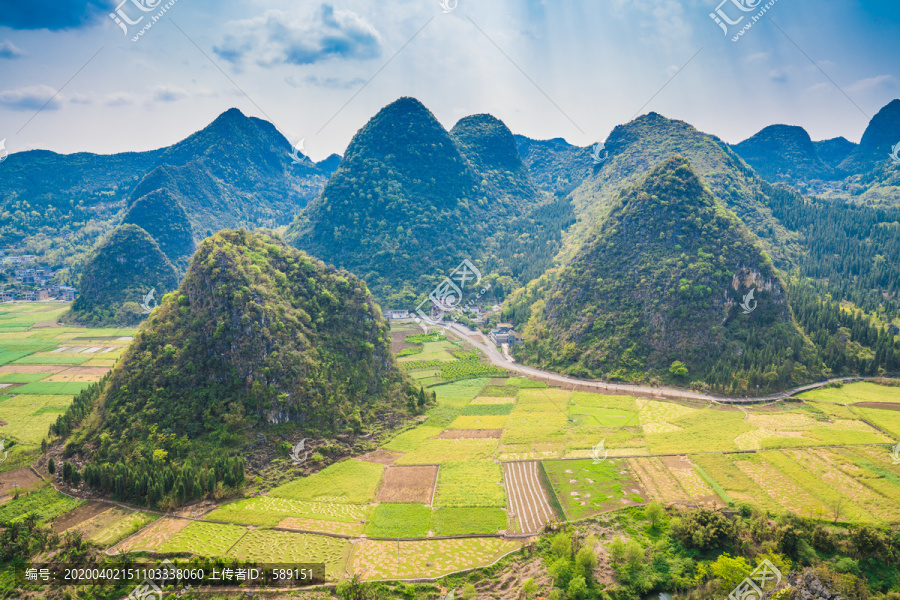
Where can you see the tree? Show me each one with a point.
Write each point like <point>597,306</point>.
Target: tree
<point>730,571</point>
<point>654,513</point>
<point>51,466</point>
<point>585,561</point>
<point>561,571</point>
<point>561,545</point>
<point>529,588</point>
<point>468,592</point>
<point>678,369</point>
<point>577,588</point>
<point>634,555</point>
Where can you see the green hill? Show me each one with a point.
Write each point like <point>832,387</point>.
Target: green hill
<point>784,153</point>
<point>118,275</point>
<point>258,335</point>
<point>259,329</point>
<point>555,165</point>
<point>661,280</point>
<point>638,146</point>
<point>491,149</point>
<point>879,137</point>
<point>408,203</point>
<point>160,214</point>
<point>834,151</point>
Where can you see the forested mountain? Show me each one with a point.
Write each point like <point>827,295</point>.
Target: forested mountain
<point>875,146</point>
<point>784,153</point>
<point>662,280</point>
<point>257,334</point>
<point>118,275</point>
<point>834,151</point>
<point>160,214</point>
<point>555,165</point>
<point>636,147</point>
<point>329,165</point>
<point>410,201</point>
<point>236,171</point>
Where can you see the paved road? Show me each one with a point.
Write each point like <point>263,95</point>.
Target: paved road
<point>480,341</point>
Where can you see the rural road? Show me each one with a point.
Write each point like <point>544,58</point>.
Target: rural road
<point>481,342</point>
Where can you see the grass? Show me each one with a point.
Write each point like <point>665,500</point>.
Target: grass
<point>713,484</point>
<point>697,431</point>
<point>441,416</point>
<point>502,391</point>
<point>28,417</point>
<point>470,484</point>
<point>433,452</point>
<point>347,482</point>
<point>268,511</point>
<point>468,388</point>
<point>439,351</point>
<point>204,539</point>
<point>889,420</point>
<point>862,391</point>
<point>602,416</point>
<point>53,388</point>
<point>411,440</point>
<point>487,409</point>
<point>399,520</point>
<point>585,488</point>
<point>23,377</point>
<point>53,360</point>
<point>47,503</point>
<point>467,521</point>
<point>479,422</point>
<point>525,383</point>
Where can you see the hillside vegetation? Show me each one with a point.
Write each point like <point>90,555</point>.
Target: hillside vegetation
<point>657,289</point>
<point>119,274</point>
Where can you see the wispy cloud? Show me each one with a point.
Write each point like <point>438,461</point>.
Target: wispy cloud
<point>51,14</point>
<point>31,98</point>
<point>10,50</point>
<point>872,84</point>
<point>278,37</point>
<point>336,83</point>
<point>168,93</point>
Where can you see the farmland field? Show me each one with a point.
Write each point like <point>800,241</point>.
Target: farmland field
<point>204,539</point>
<point>268,511</point>
<point>530,502</point>
<point>586,487</point>
<point>284,547</point>
<point>426,558</point>
<point>473,483</point>
<point>399,521</point>
<point>349,481</point>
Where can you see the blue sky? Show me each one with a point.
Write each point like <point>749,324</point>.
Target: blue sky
<point>72,80</point>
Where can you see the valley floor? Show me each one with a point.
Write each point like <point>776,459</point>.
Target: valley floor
<point>493,462</point>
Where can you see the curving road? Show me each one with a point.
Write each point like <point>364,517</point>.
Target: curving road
<point>482,343</point>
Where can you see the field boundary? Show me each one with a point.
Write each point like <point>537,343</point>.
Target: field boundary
<point>544,478</point>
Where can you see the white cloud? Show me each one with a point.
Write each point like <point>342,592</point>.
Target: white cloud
<point>168,93</point>
<point>34,97</point>
<point>278,37</point>
<point>872,84</point>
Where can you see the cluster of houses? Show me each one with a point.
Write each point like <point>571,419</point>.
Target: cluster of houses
<point>36,280</point>
<point>58,292</point>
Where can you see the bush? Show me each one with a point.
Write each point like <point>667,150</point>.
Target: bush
<point>703,530</point>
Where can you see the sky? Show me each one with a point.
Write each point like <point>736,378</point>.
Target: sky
<point>73,79</point>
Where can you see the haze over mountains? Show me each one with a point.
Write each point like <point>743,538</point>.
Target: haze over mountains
<point>545,224</point>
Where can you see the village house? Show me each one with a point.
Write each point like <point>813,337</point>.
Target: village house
<point>397,314</point>
<point>504,334</point>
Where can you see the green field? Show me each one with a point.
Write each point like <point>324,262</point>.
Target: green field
<point>53,388</point>
<point>46,503</point>
<point>347,482</point>
<point>204,539</point>
<point>465,521</point>
<point>470,484</point>
<point>28,417</point>
<point>282,547</point>
<point>269,511</point>
<point>399,520</point>
<point>585,488</point>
